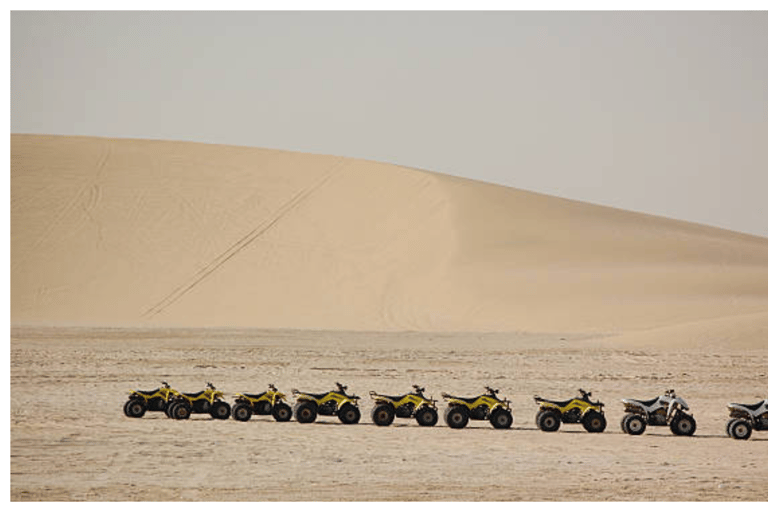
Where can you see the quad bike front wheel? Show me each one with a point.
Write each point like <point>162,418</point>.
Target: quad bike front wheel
<point>501,418</point>
<point>220,410</point>
<point>135,408</point>
<point>281,412</point>
<point>741,429</point>
<point>457,416</point>
<point>634,424</point>
<point>426,417</point>
<point>241,412</point>
<point>593,422</point>
<point>383,415</point>
<point>305,412</point>
<point>683,425</point>
<point>349,414</point>
<point>548,421</point>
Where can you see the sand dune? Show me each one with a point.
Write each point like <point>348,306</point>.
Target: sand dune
<point>151,233</point>
<point>314,266</point>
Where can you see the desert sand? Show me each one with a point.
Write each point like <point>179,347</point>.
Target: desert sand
<point>136,261</point>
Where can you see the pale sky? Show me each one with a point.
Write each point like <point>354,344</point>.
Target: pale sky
<point>663,113</point>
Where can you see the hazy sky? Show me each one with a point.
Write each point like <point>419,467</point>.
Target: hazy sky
<point>665,113</point>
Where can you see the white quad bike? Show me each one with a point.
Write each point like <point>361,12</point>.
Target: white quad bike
<point>667,409</point>
<point>745,418</point>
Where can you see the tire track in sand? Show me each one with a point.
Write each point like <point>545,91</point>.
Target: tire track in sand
<point>242,243</point>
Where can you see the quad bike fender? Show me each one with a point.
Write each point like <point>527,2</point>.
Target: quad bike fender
<point>548,406</point>
<point>736,411</point>
<point>380,399</point>
<point>345,401</point>
<point>310,401</point>
<point>500,405</point>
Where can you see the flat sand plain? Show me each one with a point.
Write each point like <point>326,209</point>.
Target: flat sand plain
<point>71,441</point>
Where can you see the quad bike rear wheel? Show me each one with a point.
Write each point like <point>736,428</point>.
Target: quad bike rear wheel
<point>305,412</point>
<point>593,422</point>
<point>634,424</point>
<point>241,412</point>
<point>349,414</point>
<point>220,410</point>
<point>181,411</point>
<point>281,412</point>
<point>683,425</point>
<point>741,429</point>
<point>501,418</point>
<point>729,425</point>
<point>383,415</point>
<point>623,422</point>
<point>457,416</point>
<point>548,421</point>
<point>135,408</point>
<point>426,417</point>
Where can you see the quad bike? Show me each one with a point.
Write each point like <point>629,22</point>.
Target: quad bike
<point>487,406</point>
<point>140,402</point>
<point>410,405</point>
<point>333,403</point>
<point>208,401</point>
<point>666,409</point>
<point>269,402</point>
<point>576,410</point>
<point>746,418</point>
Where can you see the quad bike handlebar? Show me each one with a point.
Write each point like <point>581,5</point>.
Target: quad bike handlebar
<point>342,387</point>
<point>585,394</point>
<point>272,387</point>
<point>211,386</point>
<point>491,391</point>
<point>165,384</point>
<point>419,389</point>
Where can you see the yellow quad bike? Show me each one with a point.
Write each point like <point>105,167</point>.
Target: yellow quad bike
<point>140,402</point>
<point>269,402</point>
<point>334,403</point>
<point>208,401</point>
<point>487,406</point>
<point>410,405</point>
<point>576,410</point>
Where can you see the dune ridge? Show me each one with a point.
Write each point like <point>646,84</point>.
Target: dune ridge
<point>139,233</point>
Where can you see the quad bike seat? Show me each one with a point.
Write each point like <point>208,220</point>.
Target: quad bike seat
<point>395,398</point>
<point>149,392</point>
<point>260,395</point>
<point>317,396</point>
<point>752,407</point>
<point>194,396</point>
<point>562,403</point>
<point>646,403</point>
<point>468,400</point>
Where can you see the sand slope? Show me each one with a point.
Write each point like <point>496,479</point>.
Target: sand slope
<point>151,233</point>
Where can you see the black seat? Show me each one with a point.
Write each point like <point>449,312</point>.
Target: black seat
<point>752,407</point>
<point>194,396</point>
<point>150,392</point>
<point>255,397</point>
<point>646,403</point>
<point>395,398</point>
<point>468,400</point>
<point>317,396</point>
<point>557,403</point>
